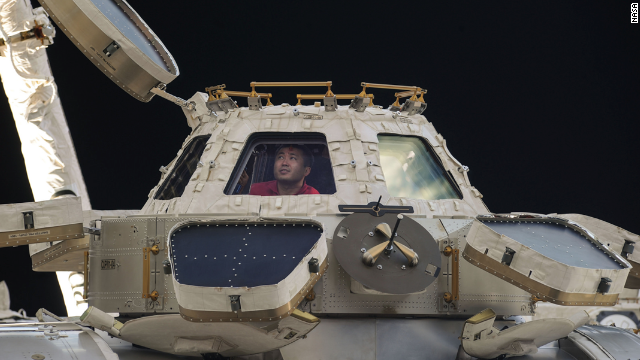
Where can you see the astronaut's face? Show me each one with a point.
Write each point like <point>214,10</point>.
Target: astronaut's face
<point>289,166</point>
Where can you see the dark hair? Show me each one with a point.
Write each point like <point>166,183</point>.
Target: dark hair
<point>307,156</point>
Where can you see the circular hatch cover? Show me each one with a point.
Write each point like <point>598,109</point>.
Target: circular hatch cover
<point>390,273</point>
<point>117,41</point>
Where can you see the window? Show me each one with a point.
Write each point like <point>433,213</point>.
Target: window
<point>174,184</point>
<point>256,164</point>
<point>412,170</point>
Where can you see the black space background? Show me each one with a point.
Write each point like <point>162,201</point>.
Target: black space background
<point>540,99</point>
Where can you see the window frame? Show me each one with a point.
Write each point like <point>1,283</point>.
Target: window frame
<point>431,151</point>
<point>177,164</point>
<point>271,138</point>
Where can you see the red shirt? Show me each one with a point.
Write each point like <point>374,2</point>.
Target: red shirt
<point>270,188</point>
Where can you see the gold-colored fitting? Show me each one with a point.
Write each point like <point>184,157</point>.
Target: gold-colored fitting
<point>254,84</point>
<point>364,90</point>
<point>414,97</point>
<point>213,91</point>
<point>448,250</point>
<point>535,299</point>
<point>155,249</point>
<point>447,297</point>
<point>311,295</point>
<point>329,92</point>
<point>421,98</point>
<point>154,295</point>
<point>321,96</point>
<point>391,87</point>
<point>86,275</point>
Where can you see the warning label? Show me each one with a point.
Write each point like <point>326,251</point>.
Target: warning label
<point>30,234</point>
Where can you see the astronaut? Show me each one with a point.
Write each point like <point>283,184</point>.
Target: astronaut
<point>292,164</point>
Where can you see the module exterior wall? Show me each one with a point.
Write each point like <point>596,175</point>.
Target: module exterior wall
<point>477,289</point>
<point>350,135</point>
<point>333,291</point>
<point>121,289</point>
<point>335,295</point>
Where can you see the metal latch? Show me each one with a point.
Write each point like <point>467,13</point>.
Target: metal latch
<point>627,249</point>
<point>166,266</point>
<point>314,266</point>
<point>235,302</point>
<point>91,230</point>
<point>111,48</point>
<point>604,286</point>
<point>28,219</point>
<point>507,257</point>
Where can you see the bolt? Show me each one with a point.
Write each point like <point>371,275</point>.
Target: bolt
<point>379,267</point>
<point>363,250</point>
<point>404,267</point>
<point>370,233</point>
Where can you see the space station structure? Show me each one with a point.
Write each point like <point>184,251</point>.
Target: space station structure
<point>386,251</point>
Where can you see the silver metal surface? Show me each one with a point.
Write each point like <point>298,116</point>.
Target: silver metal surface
<point>32,343</point>
<point>353,339</point>
<point>614,342</point>
<point>126,351</point>
<point>119,289</point>
<point>413,107</point>
<point>478,289</point>
<point>330,103</point>
<point>360,339</point>
<point>417,338</point>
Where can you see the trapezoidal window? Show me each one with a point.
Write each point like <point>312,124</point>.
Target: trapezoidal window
<point>173,186</point>
<point>255,171</point>
<point>412,170</point>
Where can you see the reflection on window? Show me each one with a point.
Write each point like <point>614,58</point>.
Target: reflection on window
<point>257,163</point>
<point>174,185</point>
<point>412,171</point>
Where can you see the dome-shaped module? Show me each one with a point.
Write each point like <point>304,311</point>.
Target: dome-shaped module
<point>245,270</point>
